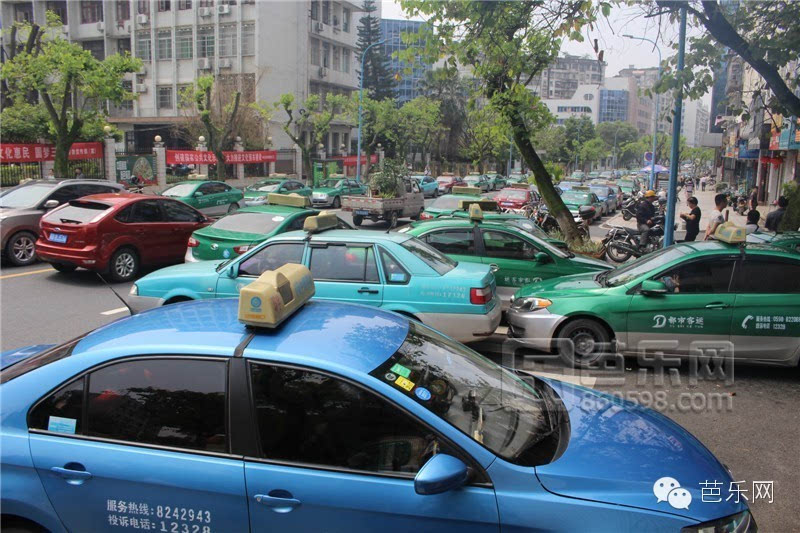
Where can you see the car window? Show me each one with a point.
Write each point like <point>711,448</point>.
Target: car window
<point>272,257</point>
<point>643,265</point>
<point>77,212</point>
<point>395,273</point>
<point>454,241</point>
<point>343,263</point>
<point>711,275</point>
<point>207,188</point>
<point>314,419</point>
<point>507,246</point>
<point>145,211</point>
<point>167,402</point>
<point>429,255</point>
<point>24,195</point>
<point>768,275</point>
<point>39,360</point>
<point>66,193</point>
<point>297,222</point>
<point>180,190</point>
<point>178,212</point>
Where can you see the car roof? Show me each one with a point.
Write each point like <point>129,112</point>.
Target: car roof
<point>498,223</point>
<point>363,337</point>
<point>347,235</point>
<point>714,246</point>
<point>276,209</point>
<point>120,198</point>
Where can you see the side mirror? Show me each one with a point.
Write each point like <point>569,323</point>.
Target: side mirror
<point>232,271</point>
<point>651,287</point>
<point>281,191</point>
<point>51,204</point>
<point>198,194</point>
<point>440,474</point>
<point>541,257</point>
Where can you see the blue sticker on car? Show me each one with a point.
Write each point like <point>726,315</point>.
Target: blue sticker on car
<point>423,394</point>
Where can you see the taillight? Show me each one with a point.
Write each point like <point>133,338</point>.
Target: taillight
<point>193,242</point>
<point>425,216</point>
<point>480,296</point>
<point>241,249</point>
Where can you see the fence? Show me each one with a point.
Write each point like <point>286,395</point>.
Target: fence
<point>26,161</point>
<point>12,173</point>
<point>285,162</point>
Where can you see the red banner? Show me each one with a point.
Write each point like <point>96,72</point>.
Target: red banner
<point>351,160</point>
<point>35,153</point>
<point>194,157</point>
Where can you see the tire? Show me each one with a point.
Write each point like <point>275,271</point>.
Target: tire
<point>626,215</point>
<point>233,208</point>
<point>582,343</point>
<point>21,249</point>
<point>617,255</point>
<point>124,265</point>
<point>583,231</point>
<point>177,299</point>
<point>436,193</point>
<point>63,267</point>
<point>357,220</point>
<point>337,202</point>
<point>392,219</point>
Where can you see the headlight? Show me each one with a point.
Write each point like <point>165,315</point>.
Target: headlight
<point>738,523</point>
<point>134,290</point>
<point>530,303</point>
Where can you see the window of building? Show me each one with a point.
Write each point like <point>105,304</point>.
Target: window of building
<point>23,12</point>
<point>314,9</point>
<point>248,39</point>
<point>183,43</point>
<point>165,97</point>
<point>314,48</point>
<point>143,7</point>
<point>205,3</point>
<point>164,5</point>
<point>326,54</point>
<point>326,11</point>
<point>97,48</point>
<point>91,11</point>
<point>143,42</point>
<point>124,46</point>
<point>227,40</point>
<point>337,61</point>
<point>127,85</point>
<point>346,60</point>
<point>346,20</point>
<point>164,44</point>
<point>59,7</point>
<point>205,41</point>
<point>184,4</point>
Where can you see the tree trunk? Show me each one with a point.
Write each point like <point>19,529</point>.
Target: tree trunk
<point>63,144</point>
<point>307,171</point>
<point>221,168</point>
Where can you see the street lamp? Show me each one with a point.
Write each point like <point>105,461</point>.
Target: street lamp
<point>655,127</point>
<point>360,100</point>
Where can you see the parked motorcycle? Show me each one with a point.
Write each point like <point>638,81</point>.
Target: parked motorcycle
<point>629,208</point>
<point>543,218</point>
<point>623,243</point>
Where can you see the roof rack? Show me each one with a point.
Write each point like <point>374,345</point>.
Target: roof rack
<point>519,185</point>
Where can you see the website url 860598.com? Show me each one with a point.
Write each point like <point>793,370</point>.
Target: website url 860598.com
<point>660,400</point>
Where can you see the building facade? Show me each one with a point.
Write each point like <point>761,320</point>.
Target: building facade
<point>585,101</point>
<point>409,78</point>
<point>562,79</point>
<point>613,105</point>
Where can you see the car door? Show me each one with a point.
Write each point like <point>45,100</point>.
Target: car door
<point>183,221</point>
<point>204,201</point>
<point>335,457</point>
<point>221,198</point>
<point>144,221</point>
<point>457,243</point>
<point>345,272</point>
<point>252,265</point>
<point>141,443</point>
<point>766,312</point>
<point>699,309</point>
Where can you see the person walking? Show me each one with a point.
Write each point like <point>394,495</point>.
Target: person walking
<point>773,221</point>
<point>717,218</point>
<point>689,188</point>
<point>645,212</point>
<point>692,219</point>
<point>703,182</point>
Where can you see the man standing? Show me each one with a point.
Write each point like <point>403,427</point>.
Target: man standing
<point>645,211</point>
<point>717,218</point>
<point>692,219</point>
<point>79,175</point>
<point>773,221</point>
<point>752,221</point>
<point>689,187</point>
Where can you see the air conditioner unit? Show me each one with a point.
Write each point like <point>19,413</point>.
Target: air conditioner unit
<point>225,62</point>
<point>101,26</point>
<point>140,88</point>
<point>204,63</point>
<point>318,27</point>
<point>323,72</point>
<point>223,9</point>
<point>142,19</point>
<point>205,11</point>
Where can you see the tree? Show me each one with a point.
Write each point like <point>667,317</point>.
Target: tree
<point>593,150</point>
<point>445,86</point>
<point>698,157</point>
<point>378,119</point>
<point>377,78</point>
<point>418,125</point>
<point>764,34</point>
<point>486,136</point>
<point>578,131</point>
<point>71,84</point>
<point>551,144</point>
<point>306,125</point>
<point>615,134</point>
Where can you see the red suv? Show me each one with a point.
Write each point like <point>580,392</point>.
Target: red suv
<point>514,198</point>
<point>118,233</point>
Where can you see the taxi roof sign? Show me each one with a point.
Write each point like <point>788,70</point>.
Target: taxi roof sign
<point>467,190</point>
<point>275,295</point>
<point>475,212</point>
<point>519,185</point>
<point>582,188</point>
<point>291,200</point>
<point>730,233</point>
<point>485,205</point>
<point>321,222</point>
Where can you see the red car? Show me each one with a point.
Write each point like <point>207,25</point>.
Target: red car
<point>117,233</point>
<point>514,198</point>
<point>447,182</point>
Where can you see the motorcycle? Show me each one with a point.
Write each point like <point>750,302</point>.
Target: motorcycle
<point>741,204</point>
<point>543,218</point>
<point>629,208</point>
<point>623,243</point>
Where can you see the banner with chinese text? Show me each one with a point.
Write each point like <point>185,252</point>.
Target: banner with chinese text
<point>194,157</point>
<point>35,153</point>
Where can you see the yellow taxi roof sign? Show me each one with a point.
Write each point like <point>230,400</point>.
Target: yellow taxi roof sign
<point>275,295</point>
<point>321,222</point>
<point>292,200</point>
<point>475,212</point>
<point>730,233</point>
<point>519,185</point>
<point>485,205</point>
<point>466,190</point>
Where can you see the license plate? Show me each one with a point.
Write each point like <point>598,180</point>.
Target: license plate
<point>57,237</point>
<point>362,212</point>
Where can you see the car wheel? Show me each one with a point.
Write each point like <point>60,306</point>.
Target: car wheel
<point>616,254</point>
<point>582,343</point>
<point>357,220</point>
<point>233,208</point>
<point>436,193</point>
<point>337,202</point>
<point>21,249</point>
<point>63,267</point>
<point>124,265</point>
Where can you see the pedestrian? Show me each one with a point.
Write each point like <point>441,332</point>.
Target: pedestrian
<point>753,216</point>
<point>717,218</point>
<point>754,198</point>
<point>51,175</point>
<point>692,219</point>
<point>703,182</point>
<point>645,211</point>
<point>773,221</point>
<point>689,188</point>
<point>79,175</point>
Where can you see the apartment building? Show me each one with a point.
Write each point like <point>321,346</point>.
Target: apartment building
<point>561,80</point>
<point>264,49</point>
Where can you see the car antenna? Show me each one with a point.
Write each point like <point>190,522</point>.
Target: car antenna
<point>128,307</point>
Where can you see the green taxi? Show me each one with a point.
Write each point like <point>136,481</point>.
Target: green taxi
<point>577,197</point>
<point>682,300</point>
<point>517,256</point>
<point>496,181</point>
<point>789,240</point>
<point>213,198</point>
<point>331,190</point>
<point>445,206</point>
<point>479,181</point>
<point>256,194</point>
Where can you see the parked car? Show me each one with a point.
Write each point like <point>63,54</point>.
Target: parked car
<point>578,176</point>
<point>477,180</point>
<point>447,205</point>
<point>567,185</point>
<point>117,233</point>
<point>257,193</point>
<point>516,197</point>
<point>22,207</point>
<point>607,195</point>
<point>428,185</point>
<point>447,182</point>
<point>332,190</point>
<point>788,240</point>
<point>496,181</point>
<point>593,175</point>
<point>343,418</point>
<point>213,198</point>
<point>629,187</point>
<point>517,177</point>
<point>577,197</point>
<point>392,271</point>
<point>607,174</point>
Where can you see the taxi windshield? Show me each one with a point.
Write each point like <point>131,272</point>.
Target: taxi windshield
<point>180,190</point>
<point>450,202</point>
<point>249,222</point>
<point>643,265</point>
<point>601,192</point>
<point>264,186</point>
<point>515,419</point>
<point>576,197</point>
<point>333,184</point>
<point>514,193</point>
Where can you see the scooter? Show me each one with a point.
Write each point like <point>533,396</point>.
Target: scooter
<point>629,208</point>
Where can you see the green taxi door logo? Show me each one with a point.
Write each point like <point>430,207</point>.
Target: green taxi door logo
<point>659,321</point>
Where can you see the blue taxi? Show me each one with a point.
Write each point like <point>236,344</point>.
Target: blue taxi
<point>393,271</point>
<point>275,413</point>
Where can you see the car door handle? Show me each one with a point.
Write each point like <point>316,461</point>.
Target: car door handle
<point>367,290</point>
<point>281,501</point>
<point>717,305</point>
<point>71,475</point>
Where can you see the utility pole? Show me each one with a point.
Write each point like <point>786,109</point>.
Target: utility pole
<point>676,137</point>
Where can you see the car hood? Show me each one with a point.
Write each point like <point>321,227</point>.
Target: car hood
<point>228,236</point>
<point>184,275</point>
<point>325,190</point>
<point>10,357</point>
<point>7,213</point>
<point>576,285</point>
<point>590,262</point>
<point>617,451</point>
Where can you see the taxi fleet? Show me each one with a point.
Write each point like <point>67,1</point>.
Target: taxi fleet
<point>280,413</point>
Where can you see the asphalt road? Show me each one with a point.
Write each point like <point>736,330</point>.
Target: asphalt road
<point>751,424</point>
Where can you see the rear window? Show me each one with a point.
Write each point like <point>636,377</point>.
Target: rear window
<point>249,222</point>
<point>430,256</point>
<point>514,193</point>
<point>77,212</point>
<point>39,360</point>
<point>448,202</point>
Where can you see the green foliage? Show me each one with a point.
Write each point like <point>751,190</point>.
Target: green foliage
<point>445,87</point>
<point>577,132</point>
<point>417,126</point>
<point>388,181</point>
<point>623,131</point>
<point>25,122</point>
<point>378,81</point>
<point>791,219</point>
<point>486,135</point>
<point>593,150</point>
<point>555,170</point>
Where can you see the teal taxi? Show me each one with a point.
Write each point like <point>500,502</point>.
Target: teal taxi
<point>788,240</point>
<point>393,271</point>
<point>447,205</point>
<point>258,193</point>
